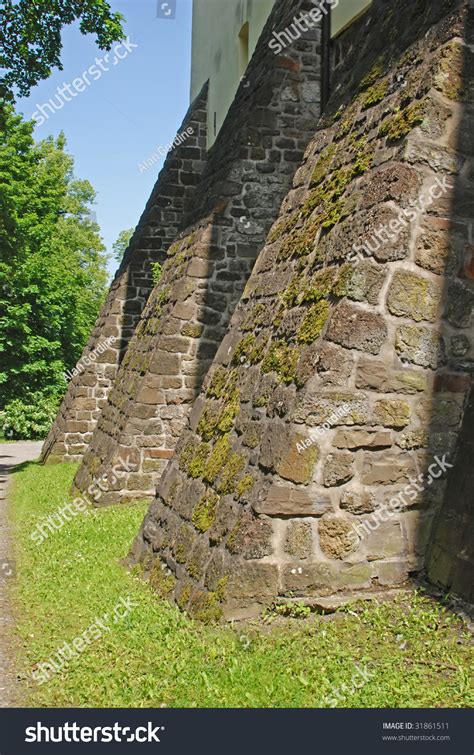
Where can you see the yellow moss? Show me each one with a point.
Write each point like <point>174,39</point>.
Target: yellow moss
<point>245,484</point>
<point>374,94</point>
<point>314,322</point>
<point>397,126</point>
<point>230,473</point>
<point>249,349</point>
<point>281,359</point>
<point>184,596</point>
<point>374,73</point>
<point>217,459</point>
<point>204,513</point>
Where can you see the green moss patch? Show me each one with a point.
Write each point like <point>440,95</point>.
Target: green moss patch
<point>397,126</point>
<point>282,359</point>
<point>313,323</point>
<point>204,513</point>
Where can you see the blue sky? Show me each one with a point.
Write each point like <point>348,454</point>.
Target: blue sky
<point>121,118</point>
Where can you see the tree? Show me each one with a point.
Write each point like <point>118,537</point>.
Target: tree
<point>120,245</point>
<point>52,266</point>
<point>30,37</point>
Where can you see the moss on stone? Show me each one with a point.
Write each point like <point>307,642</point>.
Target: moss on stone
<point>283,228</point>
<point>245,484</point>
<point>375,72</point>
<point>217,459</point>
<point>222,383</point>
<point>230,473</point>
<point>193,458</point>
<point>301,241</point>
<point>209,420</point>
<point>191,330</point>
<point>204,513</point>
<point>322,166</point>
<point>229,412</point>
<point>397,126</point>
<point>374,94</point>
<point>205,607</point>
<point>174,248</point>
<point>314,322</point>
<point>163,584</point>
<point>282,359</point>
<point>344,278</point>
<point>249,349</point>
<point>184,595</point>
<point>449,80</point>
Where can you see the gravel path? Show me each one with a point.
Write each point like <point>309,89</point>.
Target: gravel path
<point>11,454</point>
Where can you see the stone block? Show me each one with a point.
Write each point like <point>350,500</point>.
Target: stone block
<point>415,297</point>
<point>381,468</point>
<point>338,469</point>
<point>355,439</point>
<point>336,537</point>
<point>299,540</point>
<point>375,375</point>
<point>355,328</point>
<point>392,413</point>
<point>283,500</point>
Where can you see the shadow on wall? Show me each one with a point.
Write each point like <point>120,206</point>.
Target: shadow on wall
<point>450,562</point>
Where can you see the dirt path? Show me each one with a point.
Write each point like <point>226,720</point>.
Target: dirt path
<point>11,454</point>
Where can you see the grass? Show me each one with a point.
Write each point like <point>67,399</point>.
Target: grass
<point>158,657</point>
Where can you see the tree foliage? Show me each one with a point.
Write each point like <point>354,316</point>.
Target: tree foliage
<point>120,245</point>
<point>52,265</point>
<point>30,37</point>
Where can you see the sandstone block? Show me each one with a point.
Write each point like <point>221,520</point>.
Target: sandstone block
<point>282,500</point>
<point>355,328</point>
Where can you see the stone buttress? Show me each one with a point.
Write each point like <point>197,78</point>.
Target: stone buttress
<point>158,226</point>
<point>248,173</point>
<point>369,357</point>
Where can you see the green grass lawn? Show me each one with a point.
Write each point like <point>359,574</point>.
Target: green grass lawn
<point>415,652</point>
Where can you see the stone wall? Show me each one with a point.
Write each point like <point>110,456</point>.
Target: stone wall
<point>130,289</point>
<point>249,171</point>
<point>371,357</point>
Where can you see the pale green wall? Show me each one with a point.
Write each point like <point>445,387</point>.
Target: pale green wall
<point>345,11</point>
<point>217,49</point>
